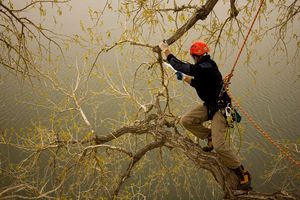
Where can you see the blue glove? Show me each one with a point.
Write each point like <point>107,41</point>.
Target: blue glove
<point>179,75</point>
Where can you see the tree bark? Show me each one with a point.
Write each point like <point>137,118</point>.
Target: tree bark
<point>200,14</point>
<point>209,161</point>
<point>225,177</point>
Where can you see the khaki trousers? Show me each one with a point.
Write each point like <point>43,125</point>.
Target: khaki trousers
<point>193,120</point>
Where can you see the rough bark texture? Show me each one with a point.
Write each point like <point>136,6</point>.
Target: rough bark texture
<point>200,14</point>
<point>159,127</point>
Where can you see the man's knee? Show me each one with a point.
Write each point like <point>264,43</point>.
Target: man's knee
<point>185,121</point>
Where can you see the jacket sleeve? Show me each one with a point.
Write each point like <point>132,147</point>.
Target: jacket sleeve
<point>178,65</point>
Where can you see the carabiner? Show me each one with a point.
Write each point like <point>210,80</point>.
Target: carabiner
<point>228,110</point>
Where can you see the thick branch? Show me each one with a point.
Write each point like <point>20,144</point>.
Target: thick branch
<point>225,177</point>
<point>200,13</point>
<point>258,195</point>
<point>234,12</point>
<point>120,132</point>
<point>140,128</point>
<point>209,161</point>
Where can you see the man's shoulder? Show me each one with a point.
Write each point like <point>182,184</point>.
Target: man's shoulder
<point>206,65</point>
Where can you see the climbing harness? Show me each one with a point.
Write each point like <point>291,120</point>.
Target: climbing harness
<point>231,115</point>
<point>228,109</point>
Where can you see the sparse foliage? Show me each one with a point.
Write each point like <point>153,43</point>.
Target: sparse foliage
<point>137,148</point>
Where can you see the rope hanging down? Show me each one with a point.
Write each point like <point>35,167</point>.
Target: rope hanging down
<point>243,45</point>
<point>265,134</point>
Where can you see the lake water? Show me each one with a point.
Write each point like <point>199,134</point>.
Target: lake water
<point>269,92</point>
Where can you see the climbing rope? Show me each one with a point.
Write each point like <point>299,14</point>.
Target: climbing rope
<point>251,120</point>
<point>243,45</point>
<point>265,134</point>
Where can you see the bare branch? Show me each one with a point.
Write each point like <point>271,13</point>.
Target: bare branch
<point>141,128</point>
<point>120,149</point>
<point>176,8</point>
<point>134,160</point>
<point>106,49</point>
<point>35,2</point>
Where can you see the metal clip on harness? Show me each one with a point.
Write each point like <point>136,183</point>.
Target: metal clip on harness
<point>229,115</point>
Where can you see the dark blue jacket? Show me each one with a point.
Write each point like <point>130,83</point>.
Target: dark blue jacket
<point>207,79</point>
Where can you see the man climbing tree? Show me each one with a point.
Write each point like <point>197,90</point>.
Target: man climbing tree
<point>207,80</point>
<point>99,120</point>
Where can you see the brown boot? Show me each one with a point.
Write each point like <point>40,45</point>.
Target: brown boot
<point>244,178</point>
<point>209,146</point>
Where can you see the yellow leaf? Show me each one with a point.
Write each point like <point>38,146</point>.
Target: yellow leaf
<point>170,18</point>
<point>82,26</point>
<point>108,33</point>
<point>59,12</point>
<point>182,17</point>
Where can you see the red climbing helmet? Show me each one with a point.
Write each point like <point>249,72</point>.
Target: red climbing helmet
<point>199,48</point>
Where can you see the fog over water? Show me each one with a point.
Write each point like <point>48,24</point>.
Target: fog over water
<point>269,92</point>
